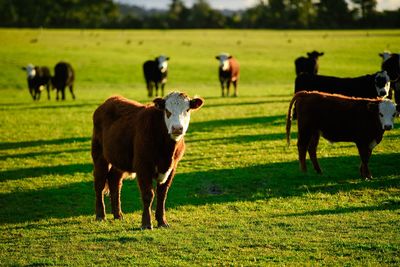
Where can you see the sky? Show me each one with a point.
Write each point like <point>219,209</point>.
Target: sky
<point>236,4</point>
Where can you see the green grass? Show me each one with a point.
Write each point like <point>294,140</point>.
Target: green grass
<point>238,197</point>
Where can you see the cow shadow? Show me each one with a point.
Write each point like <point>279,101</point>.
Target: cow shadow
<point>275,180</point>
<point>24,144</point>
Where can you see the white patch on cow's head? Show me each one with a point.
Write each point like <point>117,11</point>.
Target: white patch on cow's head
<point>162,63</point>
<point>30,71</point>
<point>387,113</point>
<point>224,61</point>
<point>385,55</point>
<point>176,107</point>
<point>382,83</point>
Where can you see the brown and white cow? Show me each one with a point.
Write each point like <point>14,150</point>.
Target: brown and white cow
<point>147,140</point>
<point>228,72</point>
<point>339,119</point>
<point>38,78</point>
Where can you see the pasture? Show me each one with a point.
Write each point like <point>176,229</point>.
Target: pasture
<point>238,197</point>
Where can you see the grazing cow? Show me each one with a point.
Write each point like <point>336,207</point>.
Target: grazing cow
<point>228,72</point>
<point>367,86</point>
<point>156,72</point>
<point>64,76</point>
<point>38,78</point>
<point>391,63</point>
<point>147,140</point>
<point>308,64</point>
<point>339,119</point>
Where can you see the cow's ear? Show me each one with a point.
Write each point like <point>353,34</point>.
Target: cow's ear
<point>167,58</point>
<point>196,103</point>
<point>23,68</point>
<point>159,103</point>
<point>321,54</point>
<point>381,55</point>
<point>373,107</point>
<point>229,56</point>
<point>217,57</point>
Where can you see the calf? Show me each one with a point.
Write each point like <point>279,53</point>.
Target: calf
<point>368,86</point>
<point>156,72</point>
<point>38,78</point>
<point>228,72</point>
<point>308,65</point>
<point>147,140</point>
<point>64,76</point>
<point>391,64</point>
<point>339,119</point>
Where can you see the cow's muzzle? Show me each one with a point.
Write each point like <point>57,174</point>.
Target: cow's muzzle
<point>388,127</point>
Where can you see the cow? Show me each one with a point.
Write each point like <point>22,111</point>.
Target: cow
<point>367,86</point>
<point>308,65</point>
<point>391,64</point>
<point>38,78</point>
<point>228,72</point>
<point>339,119</point>
<point>64,76</point>
<point>147,140</point>
<point>156,72</point>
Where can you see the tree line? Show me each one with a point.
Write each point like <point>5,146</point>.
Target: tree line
<point>271,14</point>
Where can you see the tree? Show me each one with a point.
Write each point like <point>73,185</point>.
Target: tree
<point>333,14</point>
<point>367,7</point>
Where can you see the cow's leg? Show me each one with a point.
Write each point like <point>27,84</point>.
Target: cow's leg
<point>162,191</point>
<point>162,89</point>
<point>312,151</point>
<point>228,85</point>
<point>71,89</point>
<point>63,92</point>
<point>365,153</point>
<point>147,193</point>
<point>100,178</point>
<point>38,94</point>
<point>114,178</point>
<point>48,91</point>
<point>156,86</point>
<point>303,141</point>
<point>235,93</point>
<point>222,88</point>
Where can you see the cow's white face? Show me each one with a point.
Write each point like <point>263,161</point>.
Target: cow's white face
<point>223,61</point>
<point>162,63</point>
<point>30,71</point>
<point>382,83</point>
<point>385,55</point>
<point>387,113</point>
<point>177,107</point>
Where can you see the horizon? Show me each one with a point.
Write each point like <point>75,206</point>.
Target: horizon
<point>235,4</point>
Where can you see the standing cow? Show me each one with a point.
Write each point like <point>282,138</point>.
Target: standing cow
<point>156,72</point>
<point>391,64</point>
<point>228,72</point>
<point>64,76</point>
<point>308,65</point>
<point>38,78</point>
<point>148,140</point>
<point>339,119</point>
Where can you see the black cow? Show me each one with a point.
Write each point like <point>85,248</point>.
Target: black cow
<point>64,76</point>
<point>38,78</point>
<point>155,72</point>
<point>391,63</point>
<point>367,86</point>
<point>308,64</point>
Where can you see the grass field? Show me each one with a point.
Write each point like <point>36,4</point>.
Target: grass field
<point>238,197</point>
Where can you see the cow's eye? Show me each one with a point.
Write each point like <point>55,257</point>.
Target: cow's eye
<point>168,113</point>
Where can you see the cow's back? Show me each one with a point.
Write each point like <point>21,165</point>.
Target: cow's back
<point>64,74</point>
<point>115,126</point>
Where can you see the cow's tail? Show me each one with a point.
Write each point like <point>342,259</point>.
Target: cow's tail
<point>289,114</point>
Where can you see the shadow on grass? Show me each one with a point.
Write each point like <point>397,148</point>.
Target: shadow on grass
<point>261,102</point>
<point>62,141</point>
<point>44,153</point>
<point>276,180</point>
<point>215,124</point>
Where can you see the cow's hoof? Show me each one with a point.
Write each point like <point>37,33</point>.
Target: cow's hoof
<point>147,227</point>
<point>100,219</point>
<point>163,225</point>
